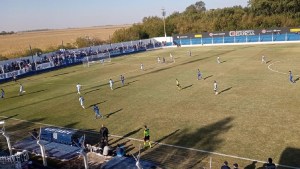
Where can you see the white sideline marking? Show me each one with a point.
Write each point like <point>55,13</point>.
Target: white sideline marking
<point>169,145</point>
<point>269,67</point>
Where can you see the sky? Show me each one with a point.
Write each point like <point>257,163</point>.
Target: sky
<point>21,15</point>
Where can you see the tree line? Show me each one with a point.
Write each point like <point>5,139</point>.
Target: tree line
<point>196,18</point>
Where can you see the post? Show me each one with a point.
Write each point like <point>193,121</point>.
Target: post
<point>201,41</point>
<point>272,37</point>
<point>259,37</point>
<point>223,39</point>
<point>6,137</point>
<point>234,39</point>
<point>32,58</point>
<point>164,14</point>
<point>191,41</point>
<point>210,162</point>
<point>286,39</point>
<point>246,38</point>
<point>212,39</point>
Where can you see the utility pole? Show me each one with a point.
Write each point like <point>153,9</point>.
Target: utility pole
<point>164,14</point>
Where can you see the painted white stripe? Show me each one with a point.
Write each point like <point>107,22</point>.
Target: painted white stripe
<point>163,144</point>
<point>273,70</point>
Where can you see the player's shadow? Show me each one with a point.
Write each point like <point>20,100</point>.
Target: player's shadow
<point>126,135</point>
<point>207,77</point>
<point>112,113</point>
<point>27,94</point>
<point>97,103</point>
<point>268,61</point>
<point>187,87</point>
<point>296,79</point>
<point>223,61</point>
<point>126,84</point>
<point>166,137</point>
<point>225,90</point>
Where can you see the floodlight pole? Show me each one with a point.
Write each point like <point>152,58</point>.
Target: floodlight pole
<point>164,14</point>
<point>6,137</point>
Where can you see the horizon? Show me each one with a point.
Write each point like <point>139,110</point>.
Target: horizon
<point>31,15</point>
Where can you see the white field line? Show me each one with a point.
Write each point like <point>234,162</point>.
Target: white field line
<point>169,145</point>
<point>273,70</point>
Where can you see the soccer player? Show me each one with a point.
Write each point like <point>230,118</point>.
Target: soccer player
<point>215,87</point>
<point>291,77</point>
<point>78,86</point>
<point>199,75</point>
<point>147,136</point>
<point>81,100</point>
<point>97,111</point>
<point>263,59</point>
<point>142,66</point>
<point>178,85</point>
<point>164,60</point>
<point>2,93</point>
<point>21,91</point>
<point>122,80</point>
<point>158,59</point>
<point>190,53</point>
<point>218,60</point>
<point>111,82</point>
<point>172,58</point>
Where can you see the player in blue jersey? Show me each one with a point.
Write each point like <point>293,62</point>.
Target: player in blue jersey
<point>199,75</point>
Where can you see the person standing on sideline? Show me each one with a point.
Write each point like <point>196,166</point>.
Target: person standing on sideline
<point>263,60</point>
<point>142,66</point>
<point>122,80</point>
<point>2,93</point>
<point>291,77</point>
<point>225,165</point>
<point>218,60</point>
<point>215,87</point>
<point>81,101</point>
<point>235,166</point>
<point>78,86</point>
<point>147,136</point>
<point>199,75</point>
<point>178,85</point>
<point>270,164</point>
<point>97,111</point>
<point>111,82</point>
<point>21,91</point>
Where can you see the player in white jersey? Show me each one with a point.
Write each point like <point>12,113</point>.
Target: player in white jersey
<point>142,66</point>
<point>111,82</point>
<point>81,101</point>
<point>158,59</point>
<point>172,58</point>
<point>21,91</point>
<point>78,86</point>
<point>263,59</point>
<point>218,60</point>
<point>215,87</point>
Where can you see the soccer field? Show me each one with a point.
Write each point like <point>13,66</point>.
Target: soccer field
<point>255,115</point>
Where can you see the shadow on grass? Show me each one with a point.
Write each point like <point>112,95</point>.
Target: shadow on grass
<point>206,138</point>
<point>96,104</point>
<point>296,79</point>
<point>9,117</point>
<point>291,157</point>
<point>207,77</point>
<point>225,90</point>
<point>125,85</point>
<point>25,94</point>
<point>268,61</point>
<point>251,166</point>
<point>223,61</point>
<point>126,135</point>
<point>187,87</point>
<point>112,113</point>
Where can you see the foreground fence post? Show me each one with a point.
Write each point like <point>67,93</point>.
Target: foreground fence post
<point>210,161</point>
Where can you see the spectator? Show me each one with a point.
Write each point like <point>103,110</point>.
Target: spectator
<point>270,164</point>
<point>225,165</point>
<point>103,134</point>
<point>120,151</point>
<point>235,166</point>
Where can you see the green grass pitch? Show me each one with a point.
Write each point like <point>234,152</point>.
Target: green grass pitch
<point>256,114</point>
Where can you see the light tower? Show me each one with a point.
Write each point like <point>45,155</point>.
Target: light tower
<point>164,14</point>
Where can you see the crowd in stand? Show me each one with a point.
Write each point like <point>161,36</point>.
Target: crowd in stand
<point>66,57</point>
